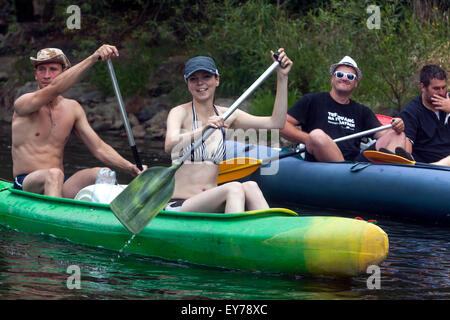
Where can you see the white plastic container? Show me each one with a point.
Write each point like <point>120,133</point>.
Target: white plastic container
<point>101,193</point>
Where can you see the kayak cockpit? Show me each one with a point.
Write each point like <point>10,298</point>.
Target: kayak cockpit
<point>86,203</point>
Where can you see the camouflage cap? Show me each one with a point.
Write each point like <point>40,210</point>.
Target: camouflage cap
<point>49,55</point>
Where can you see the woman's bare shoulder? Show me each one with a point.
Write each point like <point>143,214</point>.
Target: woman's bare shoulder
<point>181,110</point>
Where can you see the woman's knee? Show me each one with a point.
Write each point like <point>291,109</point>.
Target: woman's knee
<point>250,186</point>
<point>235,189</point>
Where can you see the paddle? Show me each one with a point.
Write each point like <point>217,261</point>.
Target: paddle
<point>237,168</point>
<point>150,192</point>
<point>124,115</point>
<point>382,157</point>
<point>388,158</point>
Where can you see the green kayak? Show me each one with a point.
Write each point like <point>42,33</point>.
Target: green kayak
<point>274,240</point>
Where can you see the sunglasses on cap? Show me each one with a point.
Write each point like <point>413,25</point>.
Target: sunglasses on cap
<point>341,74</point>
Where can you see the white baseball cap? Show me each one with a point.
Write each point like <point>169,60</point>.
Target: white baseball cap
<point>346,61</point>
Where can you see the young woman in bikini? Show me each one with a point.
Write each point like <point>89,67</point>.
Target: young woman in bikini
<point>196,188</point>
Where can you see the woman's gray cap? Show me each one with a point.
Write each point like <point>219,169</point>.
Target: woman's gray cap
<point>346,61</point>
<point>200,63</point>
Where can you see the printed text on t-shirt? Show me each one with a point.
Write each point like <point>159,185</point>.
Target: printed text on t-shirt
<point>335,119</point>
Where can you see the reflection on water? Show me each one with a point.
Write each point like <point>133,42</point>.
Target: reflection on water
<point>419,261</point>
<point>77,155</point>
<point>35,266</point>
<point>5,151</point>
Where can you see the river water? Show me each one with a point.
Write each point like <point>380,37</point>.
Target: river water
<point>35,266</point>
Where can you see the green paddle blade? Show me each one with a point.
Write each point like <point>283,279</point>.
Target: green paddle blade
<point>144,197</point>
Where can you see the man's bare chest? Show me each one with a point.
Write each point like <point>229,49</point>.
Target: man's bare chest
<point>51,126</point>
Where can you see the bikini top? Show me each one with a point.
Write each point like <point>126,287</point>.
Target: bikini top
<point>201,153</point>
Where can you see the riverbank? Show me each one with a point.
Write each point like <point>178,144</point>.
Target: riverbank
<point>147,112</point>
<point>149,88</point>
<point>156,40</point>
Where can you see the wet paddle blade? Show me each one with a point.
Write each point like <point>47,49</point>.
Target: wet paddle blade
<point>236,168</point>
<point>144,197</point>
<point>381,157</point>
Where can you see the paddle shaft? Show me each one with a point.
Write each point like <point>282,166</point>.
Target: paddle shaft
<point>124,115</point>
<point>150,191</point>
<point>233,107</point>
<point>351,136</point>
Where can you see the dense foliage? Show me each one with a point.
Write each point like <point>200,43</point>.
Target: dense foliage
<point>239,35</point>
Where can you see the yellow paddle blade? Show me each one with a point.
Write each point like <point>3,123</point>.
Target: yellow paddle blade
<point>236,168</point>
<point>381,157</point>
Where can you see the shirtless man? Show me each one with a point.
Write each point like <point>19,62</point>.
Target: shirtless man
<point>43,121</point>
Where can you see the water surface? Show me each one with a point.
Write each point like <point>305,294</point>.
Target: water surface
<point>34,266</point>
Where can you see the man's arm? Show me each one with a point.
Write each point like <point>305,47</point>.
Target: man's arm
<point>408,145</point>
<point>245,120</point>
<point>102,151</point>
<point>292,133</point>
<point>32,102</point>
<point>410,116</point>
<point>397,125</point>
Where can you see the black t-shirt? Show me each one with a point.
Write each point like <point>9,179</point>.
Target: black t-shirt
<point>321,111</point>
<point>430,138</point>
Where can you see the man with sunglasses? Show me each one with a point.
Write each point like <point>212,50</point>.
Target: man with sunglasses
<point>427,118</point>
<point>325,116</point>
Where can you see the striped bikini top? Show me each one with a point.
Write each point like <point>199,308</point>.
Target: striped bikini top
<point>201,153</point>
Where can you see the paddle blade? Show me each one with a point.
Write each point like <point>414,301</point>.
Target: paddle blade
<point>236,168</point>
<point>381,157</point>
<point>144,197</point>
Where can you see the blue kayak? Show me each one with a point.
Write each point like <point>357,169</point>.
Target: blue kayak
<point>417,193</point>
